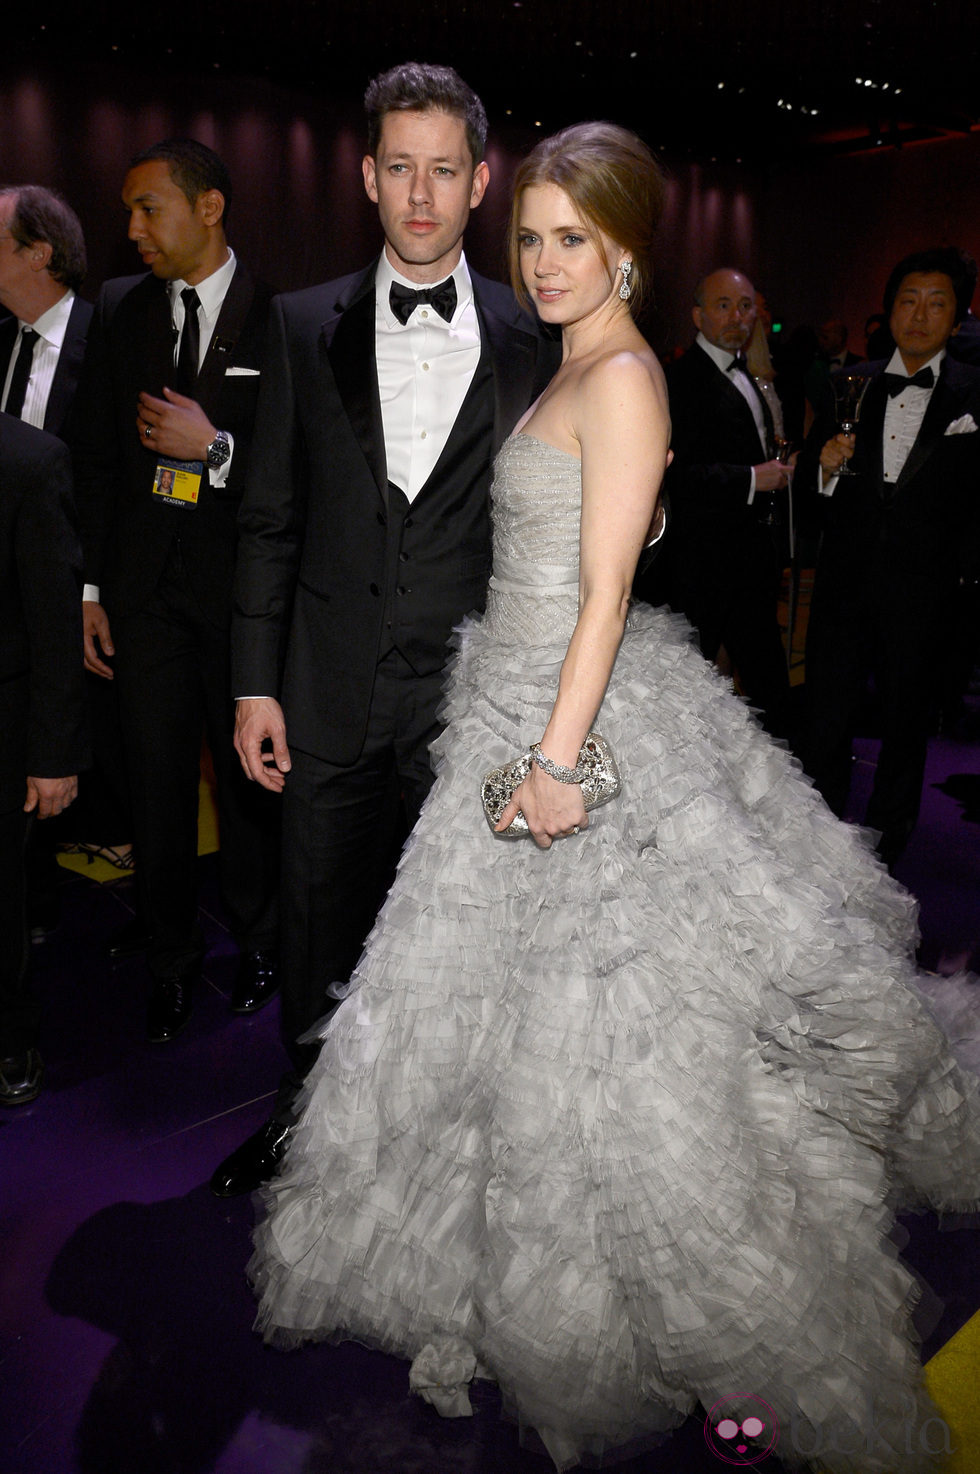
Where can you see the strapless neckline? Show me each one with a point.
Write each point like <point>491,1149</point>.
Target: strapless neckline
<point>536,440</point>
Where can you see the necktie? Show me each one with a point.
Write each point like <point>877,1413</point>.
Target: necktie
<point>22,371</point>
<point>895,383</point>
<point>189,352</point>
<point>404,300</point>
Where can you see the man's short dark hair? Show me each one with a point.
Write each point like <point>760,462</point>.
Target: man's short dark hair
<point>41,215</point>
<point>417,87</point>
<point>194,168</point>
<point>958,265</point>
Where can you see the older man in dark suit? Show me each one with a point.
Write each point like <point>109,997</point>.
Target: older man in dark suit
<point>170,383</point>
<point>898,536</point>
<point>42,708</point>
<point>366,538</point>
<point>723,559</point>
<point>42,342</point>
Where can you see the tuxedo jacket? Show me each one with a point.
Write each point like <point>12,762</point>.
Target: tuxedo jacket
<point>127,533</point>
<point>907,544</point>
<point>714,532</point>
<point>66,375</point>
<point>42,703</point>
<point>327,549</point>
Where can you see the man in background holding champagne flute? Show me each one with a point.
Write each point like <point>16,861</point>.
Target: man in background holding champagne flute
<point>901,530</point>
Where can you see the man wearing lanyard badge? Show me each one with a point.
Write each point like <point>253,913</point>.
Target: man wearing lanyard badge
<point>164,421</point>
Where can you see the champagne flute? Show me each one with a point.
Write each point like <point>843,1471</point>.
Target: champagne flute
<point>848,393</point>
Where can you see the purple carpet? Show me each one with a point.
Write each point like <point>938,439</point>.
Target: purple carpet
<point>125,1322</point>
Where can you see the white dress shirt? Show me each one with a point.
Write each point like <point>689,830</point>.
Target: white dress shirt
<point>425,368</point>
<point>904,414</point>
<point>51,328</point>
<point>739,378</point>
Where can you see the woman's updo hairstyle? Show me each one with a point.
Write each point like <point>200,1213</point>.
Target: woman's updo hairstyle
<point>615,181</point>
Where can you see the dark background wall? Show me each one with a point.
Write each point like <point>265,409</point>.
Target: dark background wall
<point>816,227</point>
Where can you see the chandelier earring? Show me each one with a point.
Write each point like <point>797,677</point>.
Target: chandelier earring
<point>626,268</point>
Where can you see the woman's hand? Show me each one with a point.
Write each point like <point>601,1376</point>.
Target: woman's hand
<point>553,810</point>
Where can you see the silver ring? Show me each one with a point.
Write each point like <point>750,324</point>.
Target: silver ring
<point>148,431</point>
<point>576,829</point>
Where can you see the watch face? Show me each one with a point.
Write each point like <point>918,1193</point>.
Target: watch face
<point>219,450</point>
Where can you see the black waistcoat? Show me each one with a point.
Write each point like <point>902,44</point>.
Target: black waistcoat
<point>437,548</point>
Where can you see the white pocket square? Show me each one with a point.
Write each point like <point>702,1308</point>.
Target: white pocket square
<point>965,425</point>
<point>244,373</point>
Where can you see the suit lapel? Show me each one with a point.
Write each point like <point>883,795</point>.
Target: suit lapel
<point>8,337</point>
<point>152,359</point>
<point>871,430</point>
<point>943,407</point>
<point>69,367</point>
<point>224,339</point>
<point>349,342</point>
<point>513,356</point>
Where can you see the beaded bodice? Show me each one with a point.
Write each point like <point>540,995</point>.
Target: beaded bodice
<point>537,497</point>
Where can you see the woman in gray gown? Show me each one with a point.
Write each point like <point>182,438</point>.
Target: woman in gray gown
<point>618,1114</point>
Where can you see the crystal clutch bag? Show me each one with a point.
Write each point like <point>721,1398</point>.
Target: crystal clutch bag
<point>600,783</point>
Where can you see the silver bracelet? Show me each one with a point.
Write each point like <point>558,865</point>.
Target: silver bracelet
<point>556,770</point>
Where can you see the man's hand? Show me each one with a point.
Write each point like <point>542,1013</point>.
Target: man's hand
<point>256,720</point>
<point>95,626</point>
<point>771,476</point>
<point>834,454</point>
<point>178,426</point>
<point>48,796</point>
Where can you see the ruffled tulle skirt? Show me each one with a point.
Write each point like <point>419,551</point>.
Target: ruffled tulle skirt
<point>631,1116</point>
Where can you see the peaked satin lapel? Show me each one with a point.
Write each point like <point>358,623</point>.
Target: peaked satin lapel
<point>943,407</point>
<point>870,432</point>
<point>69,367</point>
<point>735,399</point>
<point>513,352</point>
<point>227,330</point>
<point>349,341</point>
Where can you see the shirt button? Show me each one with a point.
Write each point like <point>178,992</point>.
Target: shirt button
<point>424,312</point>
<point>424,435</point>
<point>425,367</point>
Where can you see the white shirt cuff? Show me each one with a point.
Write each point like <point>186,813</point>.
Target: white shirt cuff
<point>90,593</point>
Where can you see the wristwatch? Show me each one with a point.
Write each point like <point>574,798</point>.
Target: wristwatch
<point>219,450</point>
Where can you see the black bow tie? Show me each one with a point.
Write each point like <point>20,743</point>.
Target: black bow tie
<point>895,383</point>
<point>738,362</point>
<point>404,300</point>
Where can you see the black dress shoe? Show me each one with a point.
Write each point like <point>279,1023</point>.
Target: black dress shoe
<point>257,982</point>
<point>171,1002</point>
<point>253,1163</point>
<point>128,940</point>
<point>20,1077</point>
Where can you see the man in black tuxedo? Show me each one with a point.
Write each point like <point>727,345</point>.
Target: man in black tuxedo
<point>42,710</point>
<point>42,342</point>
<point>365,537</point>
<point>898,535</point>
<point>171,381</point>
<point>723,559</point>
